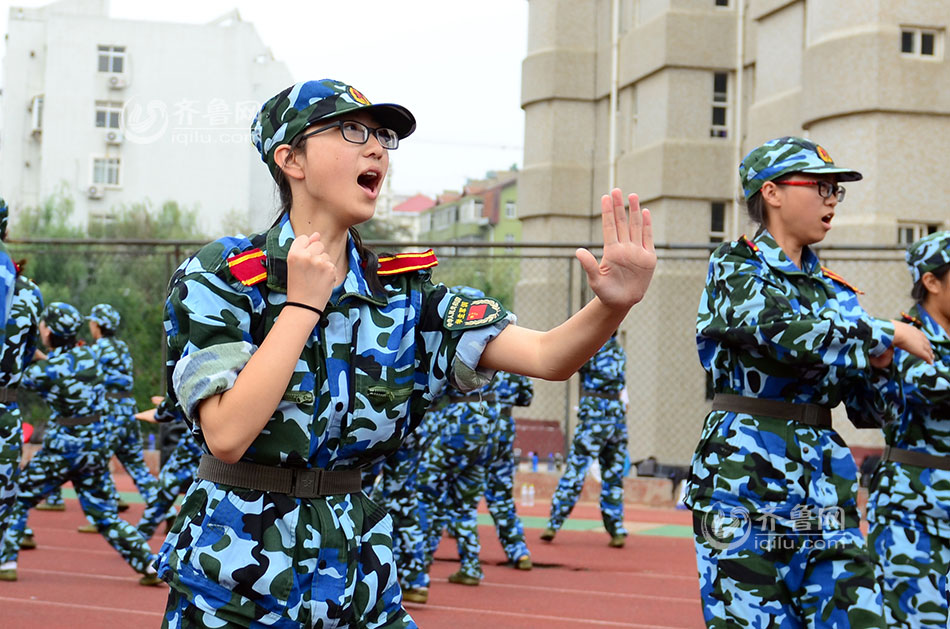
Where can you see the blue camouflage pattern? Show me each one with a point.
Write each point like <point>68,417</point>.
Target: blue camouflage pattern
<point>62,319</point>
<point>105,316</point>
<point>175,476</point>
<point>365,378</point>
<point>909,506</point>
<point>769,329</point>
<point>72,386</point>
<point>18,348</point>
<point>115,362</point>
<point>453,474</point>
<point>928,254</point>
<point>601,433</point>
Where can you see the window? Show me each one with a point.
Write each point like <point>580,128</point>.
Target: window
<point>720,105</point>
<point>722,3</point>
<point>112,59</point>
<point>717,221</point>
<point>908,233</point>
<point>108,114</point>
<point>105,171</point>
<point>511,209</point>
<point>425,222</point>
<point>921,42</point>
<point>36,114</point>
<point>509,240</point>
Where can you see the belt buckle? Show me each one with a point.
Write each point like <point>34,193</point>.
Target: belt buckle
<point>306,483</point>
<point>810,415</point>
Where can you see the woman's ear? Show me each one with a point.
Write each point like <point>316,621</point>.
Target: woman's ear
<point>289,161</point>
<point>931,283</point>
<point>770,194</point>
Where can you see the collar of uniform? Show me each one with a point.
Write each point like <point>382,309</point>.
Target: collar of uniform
<point>932,329</point>
<point>776,258</point>
<point>279,239</point>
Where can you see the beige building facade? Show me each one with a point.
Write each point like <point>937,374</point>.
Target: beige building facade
<point>664,97</point>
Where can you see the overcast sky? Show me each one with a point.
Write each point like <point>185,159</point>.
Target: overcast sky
<point>455,65</point>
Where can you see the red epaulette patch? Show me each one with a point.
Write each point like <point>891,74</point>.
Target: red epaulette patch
<point>404,262</point>
<point>834,276</point>
<point>749,243</point>
<point>249,267</point>
<point>914,321</point>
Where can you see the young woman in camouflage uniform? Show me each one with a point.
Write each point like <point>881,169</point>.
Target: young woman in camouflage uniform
<point>909,501</point>
<point>773,488</point>
<point>300,355</point>
<point>76,446</point>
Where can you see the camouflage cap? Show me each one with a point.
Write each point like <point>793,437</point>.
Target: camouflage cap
<point>286,115</point>
<point>106,316</point>
<point>927,254</point>
<point>4,217</point>
<point>62,319</point>
<point>467,291</point>
<point>785,155</point>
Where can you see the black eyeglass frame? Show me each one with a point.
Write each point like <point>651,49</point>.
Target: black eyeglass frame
<point>367,131</point>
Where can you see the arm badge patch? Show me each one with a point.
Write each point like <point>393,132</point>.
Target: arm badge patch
<point>464,313</point>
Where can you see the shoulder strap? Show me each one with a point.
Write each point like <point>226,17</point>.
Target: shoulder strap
<point>405,262</point>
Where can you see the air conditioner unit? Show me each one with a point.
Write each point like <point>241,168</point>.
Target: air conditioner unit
<point>117,82</point>
<point>114,137</point>
<point>94,192</point>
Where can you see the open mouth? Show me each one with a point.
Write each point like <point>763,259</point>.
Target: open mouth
<point>370,181</point>
<point>826,219</point>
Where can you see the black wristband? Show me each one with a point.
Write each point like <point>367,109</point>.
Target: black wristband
<point>306,307</point>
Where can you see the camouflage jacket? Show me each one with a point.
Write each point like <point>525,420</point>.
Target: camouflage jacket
<point>115,361</point>
<point>69,381</point>
<point>919,497</point>
<point>768,329</point>
<point>22,330</point>
<point>365,377</point>
<point>8,275</point>
<point>512,389</point>
<point>605,372</point>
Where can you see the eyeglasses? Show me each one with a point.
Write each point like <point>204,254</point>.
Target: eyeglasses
<point>826,189</point>
<point>357,133</point>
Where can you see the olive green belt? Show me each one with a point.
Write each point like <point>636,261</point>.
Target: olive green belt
<point>808,414</point>
<point>917,459</point>
<point>296,482</point>
<point>81,420</point>
<point>7,394</point>
<point>118,395</point>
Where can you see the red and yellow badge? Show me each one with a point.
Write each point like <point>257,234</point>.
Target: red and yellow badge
<point>405,262</point>
<point>914,321</point>
<point>834,276</point>
<point>464,313</point>
<point>249,267</point>
<point>751,245</point>
<point>356,95</point>
<point>823,154</point>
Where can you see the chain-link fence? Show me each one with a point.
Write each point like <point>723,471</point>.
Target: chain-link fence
<point>542,284</point>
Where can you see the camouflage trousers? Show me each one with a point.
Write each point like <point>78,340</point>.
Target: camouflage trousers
<point>603,437</point>
<point>66,458</point>
<point>246,558</point>
<point>911,567</point>
<point>499,488</point>
<point>127,447</point>
<point>174,478</point>
<point>757,576</point>
<point>11,451</point>
<point>397,492</point>
<point>452,481</point>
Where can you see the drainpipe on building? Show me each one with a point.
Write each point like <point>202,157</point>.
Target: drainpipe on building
<point>614,80</point>
<point>737,110</point>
